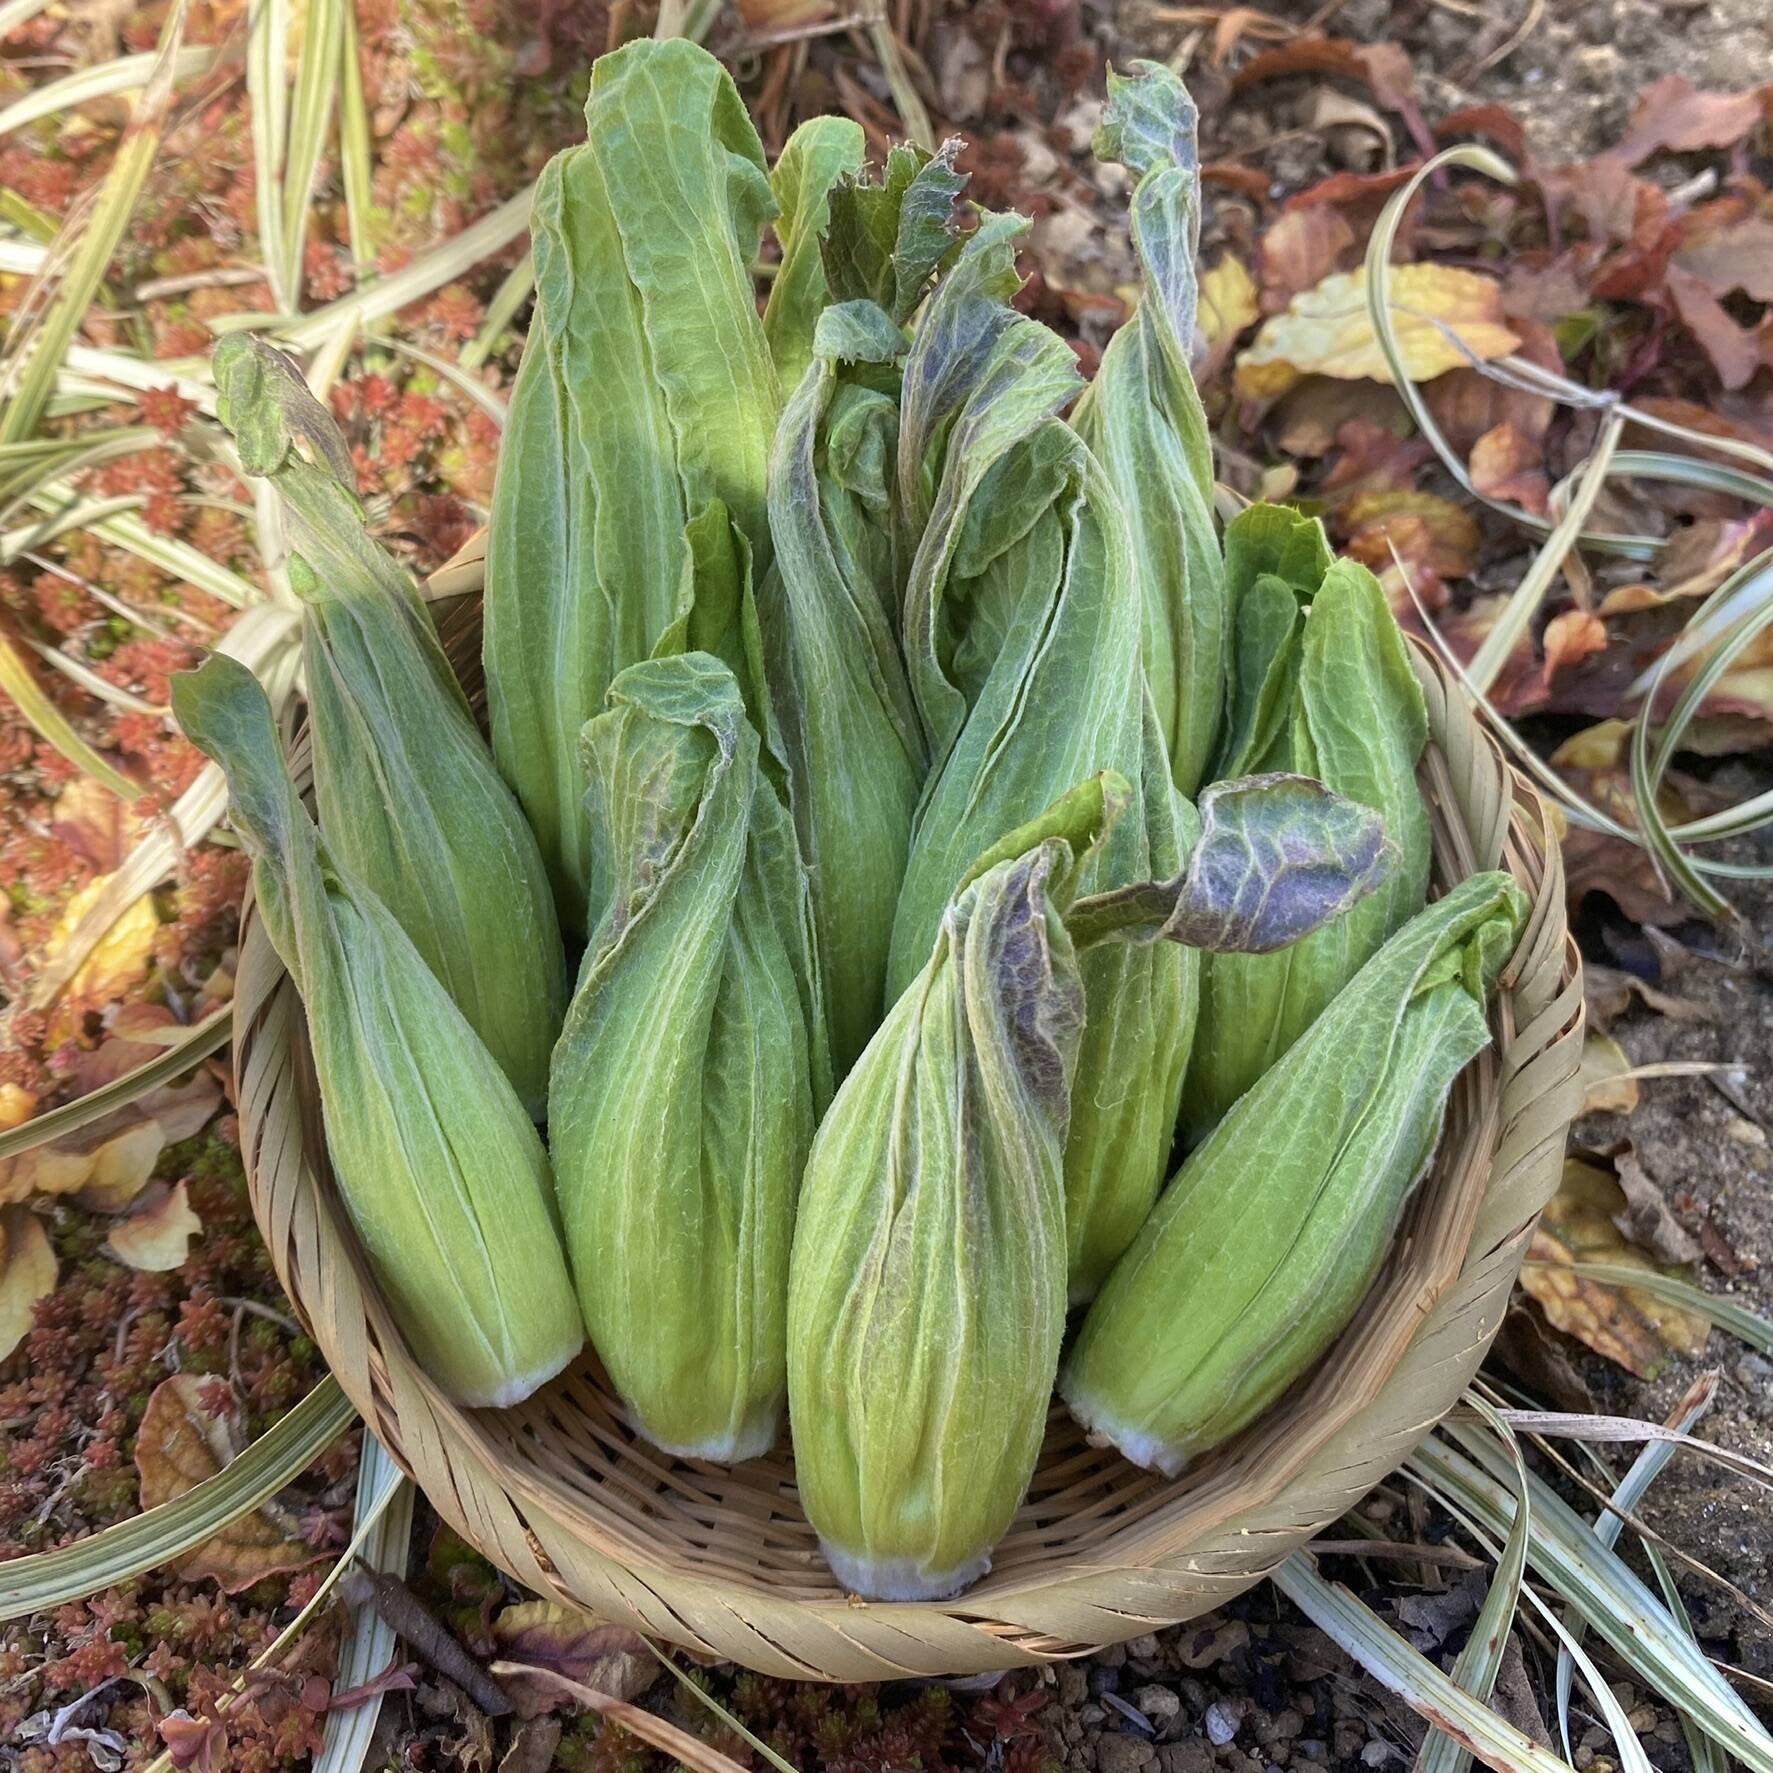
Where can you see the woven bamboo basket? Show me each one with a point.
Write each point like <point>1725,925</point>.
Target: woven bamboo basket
<point>563,1495</point>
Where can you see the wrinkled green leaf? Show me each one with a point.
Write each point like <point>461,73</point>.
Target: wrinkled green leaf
<point>1144,418</point>
<point>928,1290</point>
<point>888,239</point>
<point>849,732</point>
<point>1356,722</point>
<point>646,393</point>
<point>819,153</point>
<point>1022,640</point>
<point>1269,1236</point>
<point>409,800</point>
<point>435,1157</point>
<point>692,1068</point>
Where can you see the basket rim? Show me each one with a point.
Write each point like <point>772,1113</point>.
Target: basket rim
<point>512,1482</point>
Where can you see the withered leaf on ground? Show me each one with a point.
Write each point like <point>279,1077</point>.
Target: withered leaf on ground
<point>186,1435</point>
<point>155,1234</point>
<point>1627,1326</point>
<point>27,1273</point>
<point>1443,319</point>
<point>1508,464</point>
<point>1607,1087</point>
<point>1571,636</point>
<point>1674,114</point>
<point>549,1635</point>
<point>1647,1219</point>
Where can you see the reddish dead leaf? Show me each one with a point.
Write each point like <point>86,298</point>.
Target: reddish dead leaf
<point>765,18</point>
<point>1383,68</point>
<point>1570,637</point>
<point>1508,464</point>
<point>1729,248</point>
<point>191,1743</point>
<point>1363,193</point>
<point>1467,403</point>
<point>1695,561</point>
<point>92,822</point>
<point>27,1273</point>
<point>1542,291</point>
<point>155,1235</point>
<point>1309,421</point>
<point>1494,122</point>
<point>676,1744</point>
<point>1674,115</point>
<point>1372,458</point>
<point>1735,352</point>
<point>187,1435</point>
<point>1246,181</point>
<point>1627,1326</point>
<point>398,1677</point>
<point>1300,248</point>
<point>569,1643</point>
<point>1424,529</point>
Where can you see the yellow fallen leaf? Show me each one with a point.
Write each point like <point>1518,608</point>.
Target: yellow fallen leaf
<point>1227,301</point>
<point>118,962</point>
<point>1608,1086</point>
<point>155,1235</point>
<point>107,1176</point>
<point>1443,317</point>
<point>27,1273</point>
<point>1633,1329</point>
<point>16,1106</point>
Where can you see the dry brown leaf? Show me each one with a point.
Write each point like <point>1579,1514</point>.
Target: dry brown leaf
<point>1674,114</point>
<point>1571,636</point>
<point>1300,248</point>
<point>1443,318</point>
<point>1508,464</point>
<point>692,1751</point>
<point>155,1235</point>
<point>1629,1327</point>
<point>108,1175</point>
<point>1737,257</point>
<point>118,962</point>
<point>1607,1084</point>
<point>1425,530</point>
<point>1647,1219</point>
<point>91,821</point>
<point>27,1273</point>
<point>1735,351</point>
<point>187,1435</point>
<point>566,1641</point>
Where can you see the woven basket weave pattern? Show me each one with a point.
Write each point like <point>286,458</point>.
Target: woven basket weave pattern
<point>560,1493</point>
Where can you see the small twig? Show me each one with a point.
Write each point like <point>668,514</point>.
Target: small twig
<point>426,1636</point>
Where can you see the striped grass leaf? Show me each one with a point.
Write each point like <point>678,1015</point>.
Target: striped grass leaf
<point>193,1045</point>
<point>310,119</point>
<point>30,372</point>
<point>166,1533</point>
<point>356,151</point>
<point>267,93</point>
<point>1480,1662</point>
<point>19,682</point>
<point>1593,1580</point>
<point>382,1533</point>
<point>1626,1496</point>
<point>1402,1669</point>
<point>124,73</point>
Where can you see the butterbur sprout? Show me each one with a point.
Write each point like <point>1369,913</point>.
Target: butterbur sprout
<point>438,1164</point>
